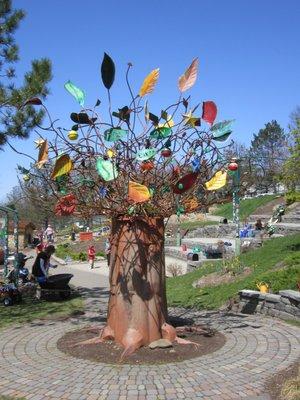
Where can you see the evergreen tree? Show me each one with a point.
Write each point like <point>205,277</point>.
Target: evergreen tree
<point>17,120</point>
<point>269,150</point>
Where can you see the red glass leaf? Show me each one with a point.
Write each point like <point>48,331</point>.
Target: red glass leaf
<point>35,101</point>
<point>209,112</point>
<point>185,183</point>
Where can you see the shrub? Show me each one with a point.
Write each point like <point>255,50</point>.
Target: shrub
<point>174,269</point>
<point>292,197</point>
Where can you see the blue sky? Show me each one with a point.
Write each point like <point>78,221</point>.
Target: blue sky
<point>248,51</point>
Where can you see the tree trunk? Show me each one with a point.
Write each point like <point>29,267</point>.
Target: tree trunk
<point>137,305</point>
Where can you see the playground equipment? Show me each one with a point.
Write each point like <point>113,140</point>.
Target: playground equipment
<point>276,217</point>
<point>4,234</point>
<point>263,287</point>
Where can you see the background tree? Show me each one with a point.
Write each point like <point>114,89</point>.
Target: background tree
<point>291,167</point>
<point>15,120</point>
<point>138,168</point>
<point>268,150</point>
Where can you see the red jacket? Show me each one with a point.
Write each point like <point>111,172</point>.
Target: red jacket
<point>91,253</point>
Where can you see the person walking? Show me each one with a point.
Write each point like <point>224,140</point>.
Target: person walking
<point>108,250</point>
<point>91,256</point>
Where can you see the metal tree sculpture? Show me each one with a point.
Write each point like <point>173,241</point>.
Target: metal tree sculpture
<point>137,168</point>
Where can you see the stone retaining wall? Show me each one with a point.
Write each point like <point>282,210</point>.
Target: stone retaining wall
<point>285,305</point>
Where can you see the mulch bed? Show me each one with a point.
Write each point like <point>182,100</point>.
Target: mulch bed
<point>110,352</point>
<point>275,383</point>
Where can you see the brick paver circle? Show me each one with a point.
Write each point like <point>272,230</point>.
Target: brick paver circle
<point>33,367</point>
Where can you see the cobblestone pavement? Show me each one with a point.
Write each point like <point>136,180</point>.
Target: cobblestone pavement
<point>256,348</point>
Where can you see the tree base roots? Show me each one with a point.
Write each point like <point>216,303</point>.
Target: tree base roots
<point>133,339</point>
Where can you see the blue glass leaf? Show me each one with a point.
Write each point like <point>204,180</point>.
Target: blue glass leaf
<point>196,164</point>
<point>103,191</point>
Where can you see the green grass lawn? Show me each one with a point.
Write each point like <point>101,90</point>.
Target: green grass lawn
<point>196,224</point>
<point>64,250</point>
<point>247,207</point>
<point>180,291</point>
<point>30,309</point>
<point>11,398</point>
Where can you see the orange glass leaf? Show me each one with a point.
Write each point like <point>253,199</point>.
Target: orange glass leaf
<point>187,80</point>
<point>62,166</point>
<point>191,204</point>
<point>149,82</point>
<point>138,193</point>
<point>43,154</point>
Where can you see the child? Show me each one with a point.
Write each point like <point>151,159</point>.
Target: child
<point>91,256</point>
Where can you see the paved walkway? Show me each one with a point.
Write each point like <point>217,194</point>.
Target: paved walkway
<point>256,348</point>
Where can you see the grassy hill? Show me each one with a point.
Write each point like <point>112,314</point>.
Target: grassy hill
<point>277,263</point>
<point>247,207</point>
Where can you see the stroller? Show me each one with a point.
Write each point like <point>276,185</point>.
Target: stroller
<point>23,271</point>
<point>55,285</point>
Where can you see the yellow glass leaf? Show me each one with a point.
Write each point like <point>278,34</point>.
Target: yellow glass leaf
<point>149,82</point>
<point>138,193</point>
<point>217,181</point>
<point>63,165</point>
<point>187,80</point>
<point>43,154</point>
<point>190,119</point>
<point>110,153</point>
<point>168,124</point>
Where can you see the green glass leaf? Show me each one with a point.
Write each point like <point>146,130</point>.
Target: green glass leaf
<point>222,126</point>
<point>23,170</point>
<point>107,71</point>
<point>222,130</point>
<point>208,149</point>
<point>131,210</point>
<point>76,92</point>
<point>223,137</point>
<point>87,182</point>
<point>168,143</point>
<point>145,154</point>
<point>106,169</point>
<point>164,115</point>
<point>82,118</point>
<point>114,134</point>
<point>161,133</point>
<point>61,182</point>
<point>180,210</point>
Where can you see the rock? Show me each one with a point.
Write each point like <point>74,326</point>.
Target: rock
<point>272,298</point>
<point>250,293</point>
<point>284,300</point>
<point>160,343</point>
<point>280,306</point>
<point>290,294</point>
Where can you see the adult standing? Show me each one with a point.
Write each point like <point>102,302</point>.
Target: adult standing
<point>49,233</point>
<point>42,264</point>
